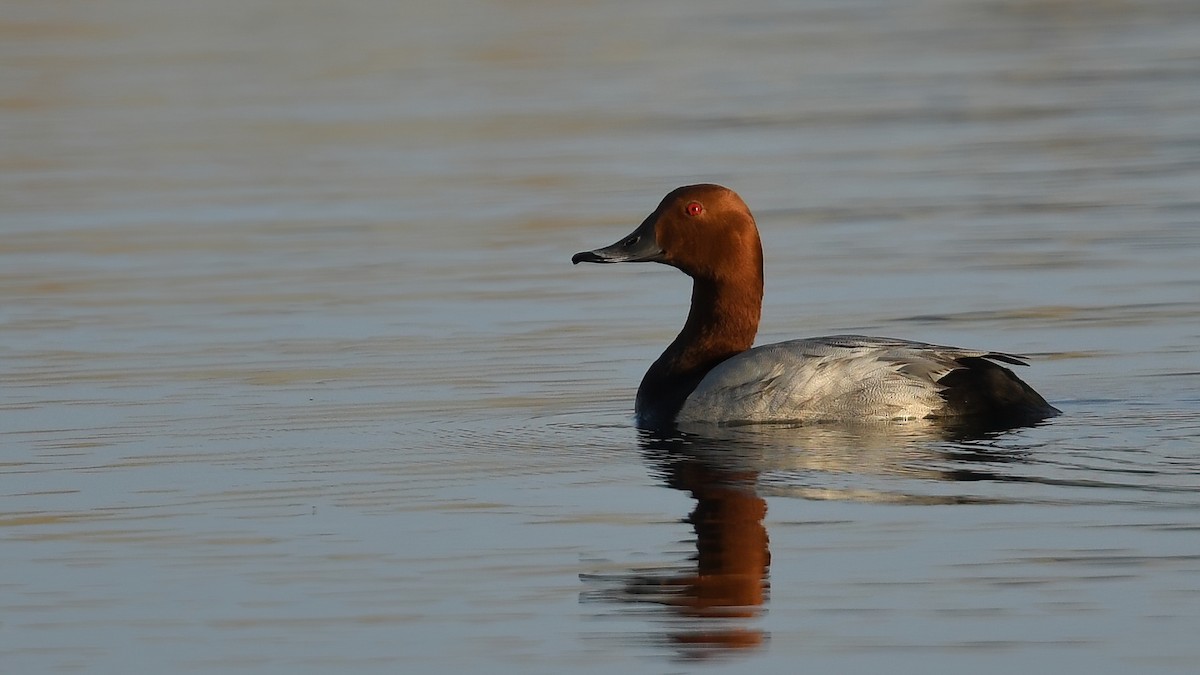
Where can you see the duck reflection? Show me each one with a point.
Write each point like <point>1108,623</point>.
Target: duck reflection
<point>732,548</point>
<point>716,599</point>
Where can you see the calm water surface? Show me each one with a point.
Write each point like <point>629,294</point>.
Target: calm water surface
<point>296,377</point>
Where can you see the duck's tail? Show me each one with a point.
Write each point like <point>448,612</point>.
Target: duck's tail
<point>989,394</point>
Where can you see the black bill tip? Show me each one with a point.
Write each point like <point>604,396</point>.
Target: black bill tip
<point>587,256</point>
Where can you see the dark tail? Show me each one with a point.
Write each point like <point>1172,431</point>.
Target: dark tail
<point>991,395</point>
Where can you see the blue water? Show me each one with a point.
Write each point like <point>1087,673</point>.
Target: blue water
<point>296,375</point>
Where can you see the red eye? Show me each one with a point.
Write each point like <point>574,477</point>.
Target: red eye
<point>695,208</point>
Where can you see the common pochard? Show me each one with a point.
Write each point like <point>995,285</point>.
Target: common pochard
<point>711,374</point>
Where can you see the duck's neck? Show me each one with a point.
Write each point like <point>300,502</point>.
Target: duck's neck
<point>722,322</point>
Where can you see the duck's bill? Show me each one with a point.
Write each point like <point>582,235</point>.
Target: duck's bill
<point>639,246</point>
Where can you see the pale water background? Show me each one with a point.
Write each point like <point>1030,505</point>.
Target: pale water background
<point>297,376</point>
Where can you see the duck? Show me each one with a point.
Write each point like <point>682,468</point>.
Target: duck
<point>712,374</point>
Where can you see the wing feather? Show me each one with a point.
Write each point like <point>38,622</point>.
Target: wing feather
<point>839,377</point>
